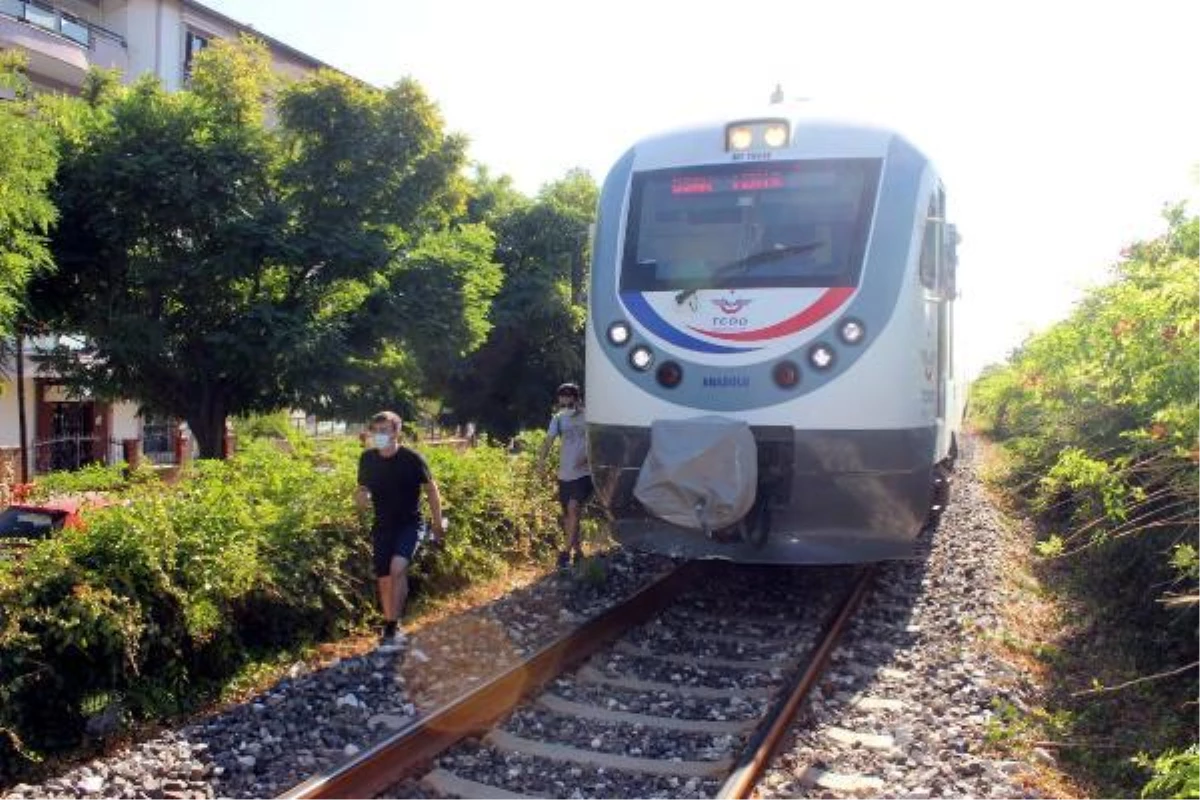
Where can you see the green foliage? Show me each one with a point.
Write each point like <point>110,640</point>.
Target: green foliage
<point>1095,487</point>
<point>264,426</point>
<point>91,478</point>
<point>171,595</point>
<point>1104,404</point>
<point>1099,419</point>
<point>218,266</point>
<point>1176,773</point>
<point>499,512</point>
<point>27,164</point>
<point>536,340</point>
<point>1051,546</point>
<point>445,289</point>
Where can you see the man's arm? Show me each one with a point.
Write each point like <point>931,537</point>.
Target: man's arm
<point>434,496</point>
<point>547,443</point>
<point>362,495</point>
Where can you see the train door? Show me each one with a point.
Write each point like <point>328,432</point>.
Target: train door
<point>943,312</point>
<point>936,279</point>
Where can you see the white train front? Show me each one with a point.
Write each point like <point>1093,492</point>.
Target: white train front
<point>770,367</point>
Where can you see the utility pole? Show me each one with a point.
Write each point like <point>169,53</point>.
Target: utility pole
<point>22,432</point>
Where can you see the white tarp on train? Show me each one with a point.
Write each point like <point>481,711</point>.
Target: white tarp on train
<point>700,473</point>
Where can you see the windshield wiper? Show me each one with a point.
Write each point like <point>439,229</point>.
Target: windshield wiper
<point>746,262</point>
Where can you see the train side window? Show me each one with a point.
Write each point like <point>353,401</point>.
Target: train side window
<point>929,247</point>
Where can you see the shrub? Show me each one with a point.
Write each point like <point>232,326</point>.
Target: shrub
<point>1176,773</point>
<point>1098,418</point>
<point>170,592</point>
<point>92,478</point>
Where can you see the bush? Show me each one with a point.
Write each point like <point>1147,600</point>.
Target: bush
<point>166,595</point>
<point>1098,417</point>
<point>1176,773</point>
<point>92,478</point>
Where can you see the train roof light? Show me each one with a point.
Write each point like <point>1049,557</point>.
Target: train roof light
<point>776,135</point>
<point>821,356</point>
<point>618,333</point>
<point>641,358</point>
<point>758,134</point>
<point>739,138</point>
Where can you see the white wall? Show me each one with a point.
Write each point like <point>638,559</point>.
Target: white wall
<point>126,424</point>
<point>9,427</point>
<point>153,31</point>
<point>282,62</point>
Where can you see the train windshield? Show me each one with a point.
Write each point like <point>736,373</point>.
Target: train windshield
<point>799,223</point>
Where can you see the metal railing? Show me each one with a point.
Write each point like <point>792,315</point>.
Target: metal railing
<point>56,20</point>
<point>159,439</point>
<point>73,452</point>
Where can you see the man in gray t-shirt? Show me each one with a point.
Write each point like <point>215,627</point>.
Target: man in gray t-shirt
<point>574,472</point>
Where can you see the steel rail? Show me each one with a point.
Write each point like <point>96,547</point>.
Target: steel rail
<point>401,754</point>
<point>766,739</point>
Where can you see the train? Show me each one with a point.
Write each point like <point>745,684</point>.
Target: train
<point>770,354</point>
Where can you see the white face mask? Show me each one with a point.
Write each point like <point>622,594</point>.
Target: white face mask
<point>381,440</point>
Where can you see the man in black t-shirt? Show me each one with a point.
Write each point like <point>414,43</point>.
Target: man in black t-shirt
<point>390,478</point>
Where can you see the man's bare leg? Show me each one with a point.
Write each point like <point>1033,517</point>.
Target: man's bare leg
<point>399,582</point>
<point>385,598</point>
<point>571,526</point>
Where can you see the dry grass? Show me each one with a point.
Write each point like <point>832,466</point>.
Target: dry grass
<point>1033,622</point>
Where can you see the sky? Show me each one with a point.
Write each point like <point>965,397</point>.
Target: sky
<point>1060,128</point>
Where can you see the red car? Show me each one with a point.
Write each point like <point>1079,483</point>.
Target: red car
<point>38,520</point>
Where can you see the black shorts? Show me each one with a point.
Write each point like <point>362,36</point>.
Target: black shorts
<point>395,541</point>
<point>579,489</point>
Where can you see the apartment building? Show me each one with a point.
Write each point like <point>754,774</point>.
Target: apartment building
<point>62,38</point>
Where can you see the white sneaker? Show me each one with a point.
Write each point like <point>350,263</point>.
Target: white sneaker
<point>391,643</point>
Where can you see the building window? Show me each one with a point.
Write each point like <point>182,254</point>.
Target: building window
<point>193,43</point>
<point>158,438</point>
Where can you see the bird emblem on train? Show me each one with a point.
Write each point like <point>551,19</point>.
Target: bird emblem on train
<point>731,305</point>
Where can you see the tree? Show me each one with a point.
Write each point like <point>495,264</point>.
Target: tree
<point>216,264</point>
<point>27,164</point>
<point>439,294</point>
<point>536,341</point>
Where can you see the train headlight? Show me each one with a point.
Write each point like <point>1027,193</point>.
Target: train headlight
<point>641,358</point>
<point>776,135</point>
<point>786,374</point>
<point>618,333</point>
<point>669,374</point>
<point>740,137</point>
<point>852,331</point>
<point>821,356</point>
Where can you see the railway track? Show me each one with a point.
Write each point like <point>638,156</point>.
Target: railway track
<point>685,689</point>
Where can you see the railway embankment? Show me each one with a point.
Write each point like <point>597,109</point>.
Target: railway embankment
<point>910,706</point>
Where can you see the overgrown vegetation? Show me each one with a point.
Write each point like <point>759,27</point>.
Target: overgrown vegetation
<point>1098,419</point>
<point>176,590</point>
<point>210,262</point>
<point>27,164</point>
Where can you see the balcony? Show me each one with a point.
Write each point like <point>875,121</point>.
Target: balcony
<point>60,46</point>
